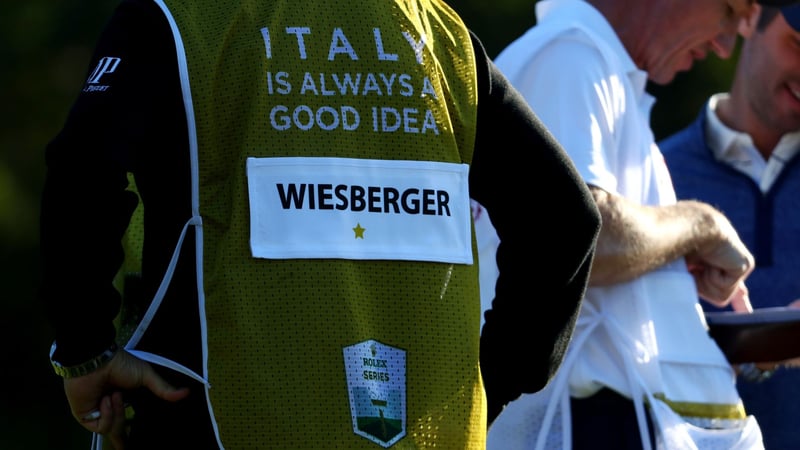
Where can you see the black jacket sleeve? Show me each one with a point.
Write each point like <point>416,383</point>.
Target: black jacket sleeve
<point>127,119</point>
<point>547,223</point>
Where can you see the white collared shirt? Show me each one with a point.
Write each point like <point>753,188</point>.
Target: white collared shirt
<point>577,76</point>
<point>738,151</point>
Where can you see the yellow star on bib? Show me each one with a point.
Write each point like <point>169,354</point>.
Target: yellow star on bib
<point>359,231</point>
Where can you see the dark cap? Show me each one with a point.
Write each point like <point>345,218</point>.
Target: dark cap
<point>777,3</point>
<point>792,16</point>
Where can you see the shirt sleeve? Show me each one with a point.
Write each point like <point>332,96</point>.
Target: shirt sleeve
<point>86,203</point>
<point>578,103</point>
<point>547,224</point>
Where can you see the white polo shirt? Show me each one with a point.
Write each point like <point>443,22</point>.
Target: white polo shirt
<point>580,81</point>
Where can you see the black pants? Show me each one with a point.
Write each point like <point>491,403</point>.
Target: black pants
<point>606,420</point>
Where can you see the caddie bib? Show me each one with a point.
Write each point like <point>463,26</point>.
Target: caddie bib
<point>338,292</point>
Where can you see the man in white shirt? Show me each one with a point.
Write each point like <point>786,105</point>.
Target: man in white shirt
<point>755,130</point>
<point>641,368</point>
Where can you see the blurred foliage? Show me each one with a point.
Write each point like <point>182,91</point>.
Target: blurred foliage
<point>45,46</point>
<point>677,104</point>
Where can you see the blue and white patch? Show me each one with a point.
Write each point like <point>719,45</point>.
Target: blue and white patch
<point>376,384</point>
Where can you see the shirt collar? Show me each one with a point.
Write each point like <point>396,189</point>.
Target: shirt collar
<point>727,144</point>
<point>723,141</point>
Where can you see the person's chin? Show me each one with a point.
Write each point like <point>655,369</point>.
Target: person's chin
<point>663,78</point>
<point>666,76</point>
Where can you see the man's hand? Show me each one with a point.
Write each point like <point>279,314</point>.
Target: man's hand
<point>721,264</point>
<point>739,301</point>
<point>96,399</point>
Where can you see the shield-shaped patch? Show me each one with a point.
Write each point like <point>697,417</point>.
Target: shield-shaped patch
<point>376,382</point>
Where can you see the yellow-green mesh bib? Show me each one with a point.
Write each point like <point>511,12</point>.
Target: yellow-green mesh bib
<point>279,330</point>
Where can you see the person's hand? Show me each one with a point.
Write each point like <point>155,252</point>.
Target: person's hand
<point>721,265</point>
<point>96,399</point>
<point>740,300</point>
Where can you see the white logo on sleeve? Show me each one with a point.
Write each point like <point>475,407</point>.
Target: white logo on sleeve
<point>106,65</point>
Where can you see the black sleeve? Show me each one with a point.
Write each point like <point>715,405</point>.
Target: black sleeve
<point>547,223</point>
<point>86,204</point>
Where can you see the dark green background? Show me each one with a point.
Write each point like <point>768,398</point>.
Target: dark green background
<point>45,47</point>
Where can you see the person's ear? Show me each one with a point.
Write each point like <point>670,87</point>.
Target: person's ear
<point>748,23</point>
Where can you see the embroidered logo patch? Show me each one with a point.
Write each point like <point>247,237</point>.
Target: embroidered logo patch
<point>106,65</point>
<point>376,383</point>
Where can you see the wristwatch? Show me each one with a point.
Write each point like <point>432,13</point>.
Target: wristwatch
<point>751,372</point>
<point>85,367</point>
